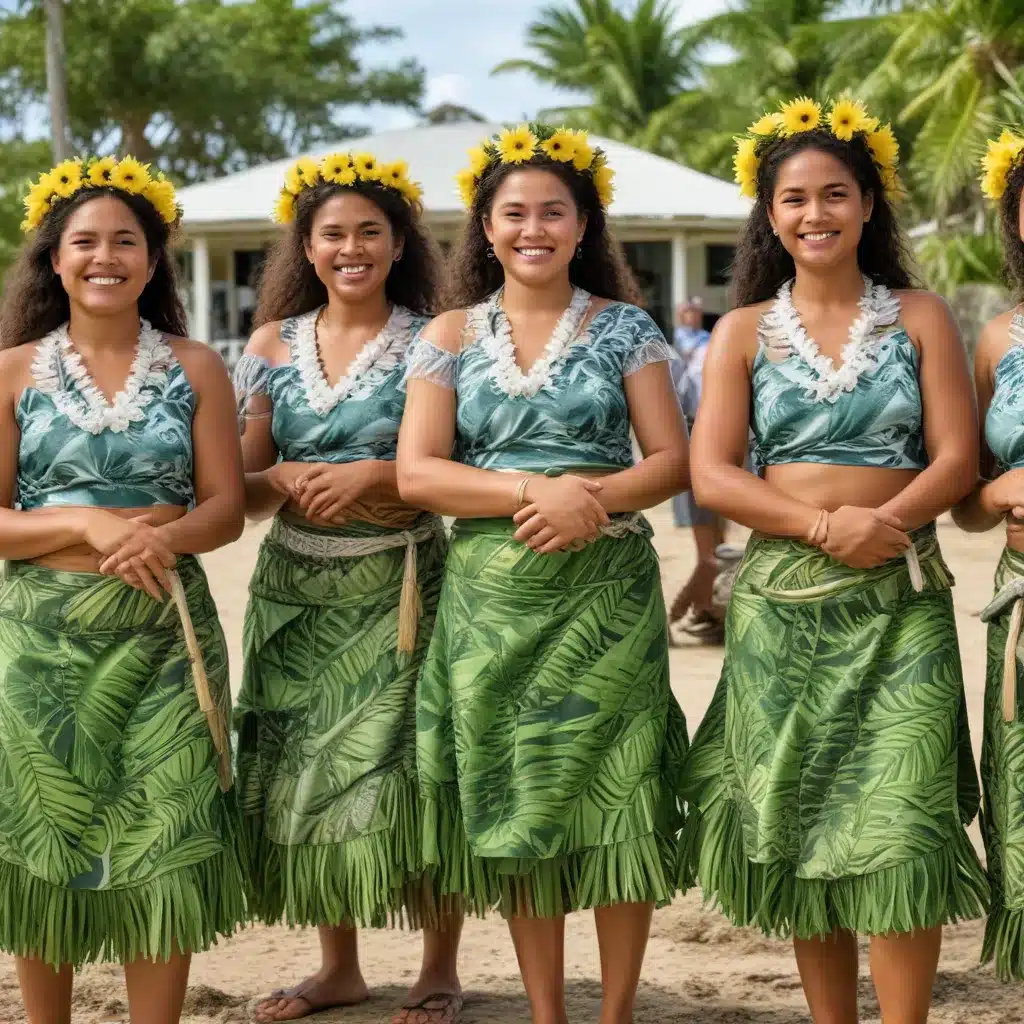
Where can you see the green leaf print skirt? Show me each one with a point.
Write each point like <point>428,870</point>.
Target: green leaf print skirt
<point>1002,777</point>
<point>116,840</point>
<point>550,745</point>
<point>326,724</point>
<point>831,779</point>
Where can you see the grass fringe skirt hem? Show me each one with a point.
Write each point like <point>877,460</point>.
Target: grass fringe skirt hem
<point>180,911</point>
<point>633,871</point>
<point>939,888</point>
<point>1004,943</point>
<point>376,880</point>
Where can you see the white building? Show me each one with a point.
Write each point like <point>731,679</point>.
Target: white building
<point>677,226</point>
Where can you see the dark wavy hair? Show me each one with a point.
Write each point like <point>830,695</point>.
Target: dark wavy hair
<point>1009,227</point>
<point>289,285</point>
<point>34,301</point>
<point>762,264</point>
<point>601,268</point>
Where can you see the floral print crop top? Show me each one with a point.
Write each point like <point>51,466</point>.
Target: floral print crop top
<point>568,411</point>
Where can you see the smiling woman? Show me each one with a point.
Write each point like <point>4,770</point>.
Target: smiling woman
<point>119,828</point>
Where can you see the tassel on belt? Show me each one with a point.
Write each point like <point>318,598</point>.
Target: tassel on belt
<point>1011,594</point>
<point>327,546</point>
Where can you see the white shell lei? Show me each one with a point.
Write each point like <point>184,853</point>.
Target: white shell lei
<point>1017,329</point>
<point>781,331</point>
<point>84,404</point>
<point>499,346</point>
<point>378,357</point>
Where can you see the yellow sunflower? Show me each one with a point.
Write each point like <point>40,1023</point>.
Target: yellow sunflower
<point>467,186</point>
<point>293,180</point>
<point>517,145</point>
<point>309,171</point>
<point>479,161</point>
<point>335,166</point>
<point>847,117</point>
<point>36,208</point>
<point>394,174</point>
<point>160,193</point>
<point>410,190</point>
<point>769,124</point>
<point>101,170</point>
<point>584,156</point>
<point>347,177</point>
<point>130,175</point>
<point>284,211</point>
<point>604,182</point>
<point>891,183</point>
<point>745,163</point>
<point>997,163</point>
<point>560,147</point>
<point>42,191</point>
<point>366,166</point>
<point>67,178</point>
<point>883,145</point>
<point>800,115</point>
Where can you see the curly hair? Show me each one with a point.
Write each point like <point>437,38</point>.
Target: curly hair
<point>289,285</point>
<point>34,300</point>
<point>1009,225</point>
<point>601,268</point>
<point>762,264</point>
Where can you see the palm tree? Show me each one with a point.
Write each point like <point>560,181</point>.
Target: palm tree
<point>634,70</point>
<point>960,64</point>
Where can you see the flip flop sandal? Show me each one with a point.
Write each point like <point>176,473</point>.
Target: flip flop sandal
<point>297,993</point>
<point>438,1008</point>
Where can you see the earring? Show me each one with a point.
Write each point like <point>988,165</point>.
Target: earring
<point>490,253</point>
<point>579,251</point>
<point>398,258</point>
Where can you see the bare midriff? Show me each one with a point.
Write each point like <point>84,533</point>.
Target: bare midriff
<point>831,487</point>
<point>81,557</point>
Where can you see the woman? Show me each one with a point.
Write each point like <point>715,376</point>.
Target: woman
<point>999,496</point>
<point>832,776</point>
<point>547,734</point>
<point>346,584</point>
<point>118,827</point>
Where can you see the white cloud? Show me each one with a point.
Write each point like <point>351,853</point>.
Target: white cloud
<point>447,88</point>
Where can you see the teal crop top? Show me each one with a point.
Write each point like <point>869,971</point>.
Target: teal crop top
<point>1004,422</point>
<point>867,412</point>
<point>356,419</point>
<point>76,448</point>
<point>569,411</point>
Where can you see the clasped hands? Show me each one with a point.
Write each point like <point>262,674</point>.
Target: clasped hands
<point>561,513</point>
<point>860,537</point>
<point>323,490</point>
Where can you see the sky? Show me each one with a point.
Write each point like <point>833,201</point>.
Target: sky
<point>460,41</point>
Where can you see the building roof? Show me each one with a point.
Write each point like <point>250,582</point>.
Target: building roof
<point>647,187</point>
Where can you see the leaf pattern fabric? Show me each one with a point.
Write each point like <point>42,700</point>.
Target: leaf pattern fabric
<point>832,775</point>
<point>549,742</point>
<point>326,735</point>
<point>580,419</point>
<point>878,423</point>
<point>1002,812</point>
<point>149,463</point>
<point>116,840</point>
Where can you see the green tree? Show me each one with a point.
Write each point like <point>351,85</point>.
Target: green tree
<point>201,87</point>
<point>18,160</point>
<point>634,69</point>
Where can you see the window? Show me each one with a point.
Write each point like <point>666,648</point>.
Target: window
<point>719,260</point>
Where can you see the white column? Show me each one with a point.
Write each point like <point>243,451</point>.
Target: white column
<point>679,271</point>
<point>200,325</point>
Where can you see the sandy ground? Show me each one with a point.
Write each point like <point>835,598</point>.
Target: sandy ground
<point>698,968</point>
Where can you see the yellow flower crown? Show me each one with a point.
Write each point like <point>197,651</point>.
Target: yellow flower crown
<point>1002,156</point>
<point>529,142</point>
<point>72,176</point>
<point>845,119</point>
<point>343,169</point>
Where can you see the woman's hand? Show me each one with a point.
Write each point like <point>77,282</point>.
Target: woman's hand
<point>1004,496</point>
<point>134,550</point>
<point>864,537</point>
<point>562,512</point>
<point>325,489</point>
<point>283,477</point>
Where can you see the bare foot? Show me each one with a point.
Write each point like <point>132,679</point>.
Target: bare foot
<point>319,992</point>
<point>432,1000</point>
